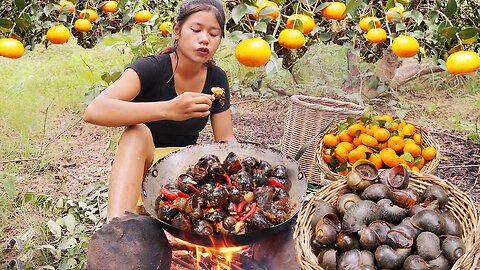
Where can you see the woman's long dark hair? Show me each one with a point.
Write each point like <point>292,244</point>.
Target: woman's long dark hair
<point>189,7</point>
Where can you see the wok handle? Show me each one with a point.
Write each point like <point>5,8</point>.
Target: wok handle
<point>311,140</point>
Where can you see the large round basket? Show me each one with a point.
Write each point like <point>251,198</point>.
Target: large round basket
<point>427,140</point>
<point>460,205</point>
<point>306,116</point>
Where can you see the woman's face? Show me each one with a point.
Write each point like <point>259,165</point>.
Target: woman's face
<point>199,37</point>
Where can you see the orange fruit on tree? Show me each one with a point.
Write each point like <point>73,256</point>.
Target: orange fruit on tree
<point>11,48</point>
<point>308,23</point>
<point>414,149</point>
<point>142,16</point>
<point>381,134</point>
<point>395,13</point>
<point>344,137</point>
<point>66,6</point>
<point>110,6</point>
<point>334,11</point>
<point>396,143</point>
<point>365,22</point>
<point>275,11</point>
<point>331,140</point>
<point>369,140</point>
<point>164,28</point>
<point>58,34</point>
<point>429,153</point>
<point>376,160</point>
<point>82,25</point>
<point>405,46</point>
<point>356,154</point>
<point>346,145</point>
<point>253,52</point>
<point>92,14</point>
<point>463,62</point>
<point>376,35</point>
<point>291,39</point>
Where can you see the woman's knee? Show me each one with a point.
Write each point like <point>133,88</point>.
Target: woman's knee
<point>138,135</point>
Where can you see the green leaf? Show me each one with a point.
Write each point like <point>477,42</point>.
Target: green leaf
<point>352,7</point>
<point>238,12</point>
<point>6,23</point>
<point>55,229</point>
<point>334,161</point>
<point>267,10</point>
<point>342,167</point>
<point>322,6</point>
<point>390,4</point>
<point>451,8</point>
<point>20,4</point>
<point>298,25</point>
<point>448,32</point>
<point>468,32</point>
<point>270,39</point>
<point>260,26</point>
<point>325,36</point>
<point>22,23</point>
<point>70,222</point>
<point>417,160</point>
<point>408,157</point>
<point>48,9</point>
<point>400,27</point>
<point>417,16</point>
<point>373,83</point>
<point>275,64</point>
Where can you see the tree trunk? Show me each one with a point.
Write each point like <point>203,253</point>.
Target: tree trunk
<point>357,82</point>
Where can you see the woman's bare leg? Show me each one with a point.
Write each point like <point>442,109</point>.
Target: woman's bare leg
<point>133,158</point>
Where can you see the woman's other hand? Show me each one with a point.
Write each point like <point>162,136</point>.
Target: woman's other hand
<point>189,105</point>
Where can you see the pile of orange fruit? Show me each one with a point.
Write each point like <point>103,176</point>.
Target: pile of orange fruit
<point>383,140</point>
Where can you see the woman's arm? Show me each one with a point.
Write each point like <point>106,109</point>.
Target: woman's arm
<point>113,107</point>
<point>222,126</point>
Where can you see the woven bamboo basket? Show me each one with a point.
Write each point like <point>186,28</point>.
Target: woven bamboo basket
<point>460,205</point>
<point>427,140</point>
<point>306,116</point>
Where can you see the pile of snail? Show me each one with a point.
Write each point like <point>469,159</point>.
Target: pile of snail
<point>381,223</point>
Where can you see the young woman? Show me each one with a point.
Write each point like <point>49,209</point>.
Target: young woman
<point>165,100</point>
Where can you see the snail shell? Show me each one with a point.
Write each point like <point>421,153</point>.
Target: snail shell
<point>452,226</point>
<point>397,177</point>
<point>441,262</point>
<point>347,241</point>
<point>427,245</point>
<point>381,228</point>
<point>427,204</point>
<point>391,212</point>
<point>400,236</point>
<point>327,229</point>
<point>405,198</point>
<point>415,262</point>
<point>429,220</point>
<point>375,192</point>
<point>327,259</point>
<point>453,248</point>
<point>321,209</point>
<point>355,258</point>
<point>345,201</point>
<point>436,192</point>
<point>363,174</point>
<point>359,215</point>
<point>389,258</point>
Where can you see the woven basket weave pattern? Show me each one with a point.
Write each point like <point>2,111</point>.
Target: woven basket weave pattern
<point>306,116</point>
<point>427,140</point>
<point>460,205</point>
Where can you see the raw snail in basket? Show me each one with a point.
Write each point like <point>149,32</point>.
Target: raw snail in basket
<point>363,174</point>
<point>391,221</point>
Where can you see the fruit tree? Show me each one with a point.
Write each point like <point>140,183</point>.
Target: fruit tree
<point>405,38</point>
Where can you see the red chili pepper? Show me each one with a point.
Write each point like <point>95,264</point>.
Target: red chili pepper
<point>240,206</point>
<point>192,187</point>
<point>274,183</point>
<point>250,212</point>
<point>229,181</point>
<point>182,194</point>
<point>235,208</point>
<point>169,194</point>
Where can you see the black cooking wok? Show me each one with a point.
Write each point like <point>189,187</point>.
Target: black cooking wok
<point>167,169</point>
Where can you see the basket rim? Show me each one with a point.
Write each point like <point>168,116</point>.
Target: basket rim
<point>429,167</point>
<point>471,238</point>
<point>313,102</point>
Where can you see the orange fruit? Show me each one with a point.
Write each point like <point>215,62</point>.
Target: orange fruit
<point>390,158</point>
<point>364,148</point>
<point>327,155</point>
<point>142,16</point>
<point>341,154</point>
<point>346,145</point>
<point>164,28</point>
<point>415,169</point>
<point>58,34</point>
<point>396,143</point>
<point>263,4</point>
<point>364,23</point>
<point>420,164</point>
<point>376,160</point>
<point>386,118</point>
<point>291,39</point>
<point>429,153</point>
<point>354,128</point>
<point>92,15</point>
<point>369,140</point>
<point>376,35</point>
<point>334,11</point>
<point>11,48</point>
<point>331,140</point>
<point>358,140</point>
<point>401,123</point>
<point>382,145</point>
<point>344,137</point>
<point>462,62</point>
<point>253,52</point>
<point>405,162</point>
<point>381,134</point>
<point>395,13</point>
<point>66,6</point>
<point>417,138</point>
<point>110,6</point>
<point>412,148</point>
<point>308,23</point>
<point>405,46</point>
<point>356,154</point>
<point>82,25</point>
<point>408,129</point>
<point>409,140</point>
